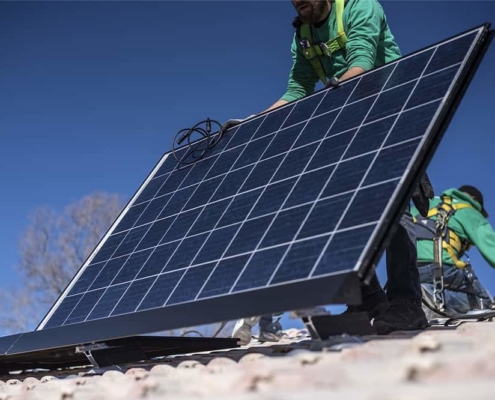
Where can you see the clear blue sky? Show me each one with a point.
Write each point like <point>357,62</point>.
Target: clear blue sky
<point>91,93</point>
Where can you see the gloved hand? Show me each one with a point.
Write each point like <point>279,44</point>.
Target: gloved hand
<point>333,82</point>
<point>422,194</point>
<point>234,122</point>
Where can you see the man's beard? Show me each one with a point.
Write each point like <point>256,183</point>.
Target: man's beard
<point>316,14</point>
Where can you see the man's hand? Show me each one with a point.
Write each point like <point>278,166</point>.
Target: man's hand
<point>422,194</point>
<point>333,82</point>
<point>234,122</point>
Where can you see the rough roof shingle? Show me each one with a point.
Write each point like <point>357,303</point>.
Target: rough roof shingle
<point>435,364</point>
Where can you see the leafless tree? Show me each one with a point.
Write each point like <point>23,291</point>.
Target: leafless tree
<point>52,249</point>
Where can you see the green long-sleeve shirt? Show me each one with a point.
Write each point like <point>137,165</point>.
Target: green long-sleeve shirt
<point>468,223</point>
<point>370,44</point>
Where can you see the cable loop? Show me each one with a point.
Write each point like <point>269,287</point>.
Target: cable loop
<point>196,148</point>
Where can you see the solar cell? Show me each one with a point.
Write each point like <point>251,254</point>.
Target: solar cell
<point>301,193</point>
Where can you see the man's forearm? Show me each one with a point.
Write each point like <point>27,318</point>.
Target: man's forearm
<point>352,72</point>
<point>279,103</point>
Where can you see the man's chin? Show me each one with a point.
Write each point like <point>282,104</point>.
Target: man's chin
<point>306,19</point>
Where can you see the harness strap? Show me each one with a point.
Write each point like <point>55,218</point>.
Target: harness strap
<point>312,51</point>
<point>341,39</point>
<point>452,243</point>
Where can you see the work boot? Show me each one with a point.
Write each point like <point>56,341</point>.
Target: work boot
<point>270,331</point>
<point>400,317</point>
<point>375,304</point>
<point>242,329</point>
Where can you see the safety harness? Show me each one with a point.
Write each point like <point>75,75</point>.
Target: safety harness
<point>443,238</point>
<point>313,51</point>
<point>452,243</point>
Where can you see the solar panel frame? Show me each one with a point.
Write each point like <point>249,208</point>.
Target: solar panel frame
<point>429,145</point>
<point>341,287</point>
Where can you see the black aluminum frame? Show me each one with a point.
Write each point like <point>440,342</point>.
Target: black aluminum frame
<point>111,352</point>
<point>427,151</point>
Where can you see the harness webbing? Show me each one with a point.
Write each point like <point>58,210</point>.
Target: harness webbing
<point>312,51</point>
<point>452,243</point>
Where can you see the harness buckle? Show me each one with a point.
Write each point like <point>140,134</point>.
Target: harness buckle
<point>305,44</point>
<point>325,49</point>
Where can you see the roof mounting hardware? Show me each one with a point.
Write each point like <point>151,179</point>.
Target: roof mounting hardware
<point>88,349</point>
<point>112,352</point>
<point>323,327</point>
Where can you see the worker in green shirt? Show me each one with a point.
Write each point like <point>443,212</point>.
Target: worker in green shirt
<point>361,40</point>
<point>342,39</point>
<point>466,226</point>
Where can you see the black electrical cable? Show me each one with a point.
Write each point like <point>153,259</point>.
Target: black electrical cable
<point>219,329</point>
<point>198,147</point>
<point>192,331</point>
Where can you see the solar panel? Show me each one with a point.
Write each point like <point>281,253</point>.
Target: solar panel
<point>286,211</point>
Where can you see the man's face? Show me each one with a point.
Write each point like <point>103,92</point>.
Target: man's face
<point>311,11</point>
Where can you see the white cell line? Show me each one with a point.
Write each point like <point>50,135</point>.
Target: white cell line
<point>302,205</point>
<point>197,217</point>
<point>275,182</point>
<point>234,236</point>
<point>288,127</point>
<point>400,60</point>
<point>285,179</point>
<point>330,111</point>
<point>150,227</point>
<point>298,123</point>
<point>368,171</point>
<point>412,55</point>
<point>176,215</point>
<point>425,135</point>
<point>116,248</point>
<point>360,187</point>
<point>171,224</point>
<point>265,215</point>
<point>336,109</point>
<point>322,199</point>
<point>278,155</point>
<point>291,150</point>
<point>230,203</point>
<point>185,269</point>
<point>331,176</point>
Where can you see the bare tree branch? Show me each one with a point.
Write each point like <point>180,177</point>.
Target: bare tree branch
<point>52,249</point>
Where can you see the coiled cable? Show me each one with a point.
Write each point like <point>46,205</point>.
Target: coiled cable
<point>196,148</point>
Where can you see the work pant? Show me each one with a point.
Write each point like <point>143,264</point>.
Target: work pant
<point>461,294</point>
<point>403,285</point>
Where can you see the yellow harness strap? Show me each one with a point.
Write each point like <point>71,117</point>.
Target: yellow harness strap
<point>312,52</point>
<point>453,242</point>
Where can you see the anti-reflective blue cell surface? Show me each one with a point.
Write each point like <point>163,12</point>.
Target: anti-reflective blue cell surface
<point>291,195</point>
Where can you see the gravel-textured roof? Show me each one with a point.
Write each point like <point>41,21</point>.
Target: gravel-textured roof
<point>439,363</point>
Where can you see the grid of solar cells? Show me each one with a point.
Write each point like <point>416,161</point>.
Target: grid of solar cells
<point>291,195</point>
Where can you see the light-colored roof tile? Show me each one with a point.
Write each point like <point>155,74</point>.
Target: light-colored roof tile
<point>437,364</point>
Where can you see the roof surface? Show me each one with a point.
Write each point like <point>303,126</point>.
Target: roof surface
<point>439,363</point>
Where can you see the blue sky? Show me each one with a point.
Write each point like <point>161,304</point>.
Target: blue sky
<point>91,93</point>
